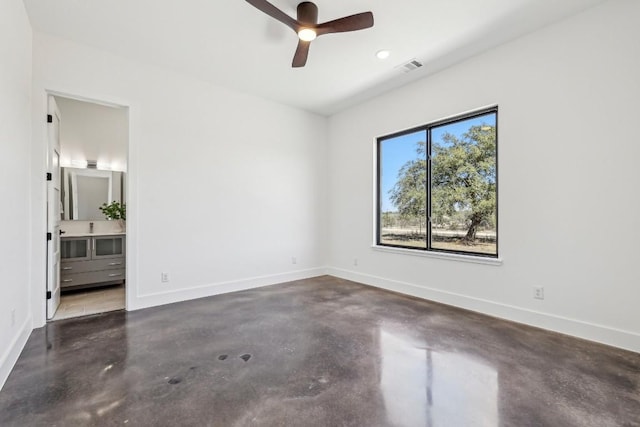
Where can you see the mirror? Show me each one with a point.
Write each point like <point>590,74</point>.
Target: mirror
<point>85,190</point>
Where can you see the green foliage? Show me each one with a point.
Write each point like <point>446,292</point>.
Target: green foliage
<point>463,174</point>
<point>410,191</point>
<point>114,210</point>
<point>387,219</point>
<point>463,181</point>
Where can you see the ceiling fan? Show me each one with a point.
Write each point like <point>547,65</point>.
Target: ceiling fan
<point>307,27</point>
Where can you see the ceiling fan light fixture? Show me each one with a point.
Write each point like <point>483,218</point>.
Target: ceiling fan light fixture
<point>307,34</point>
<point>306,25</point>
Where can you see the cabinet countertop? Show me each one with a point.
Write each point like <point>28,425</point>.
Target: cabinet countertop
<point>69,234</point>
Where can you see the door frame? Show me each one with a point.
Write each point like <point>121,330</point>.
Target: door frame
<point>39,199</point>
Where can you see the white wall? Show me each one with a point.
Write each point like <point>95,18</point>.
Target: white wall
<point>15,136</point>
<point>568,183</point>
<point>224,188</point>
<point>93,132</point>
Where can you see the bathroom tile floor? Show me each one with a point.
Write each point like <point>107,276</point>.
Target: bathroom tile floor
<point>90,301</point>
<point>315,352</point>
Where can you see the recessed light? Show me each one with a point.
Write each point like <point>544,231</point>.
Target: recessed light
<point>383,54</point>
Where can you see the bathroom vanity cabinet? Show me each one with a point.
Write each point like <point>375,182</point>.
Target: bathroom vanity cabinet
<point>95,260</point>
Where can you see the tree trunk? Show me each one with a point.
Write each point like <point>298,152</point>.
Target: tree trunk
<point>473,228</point>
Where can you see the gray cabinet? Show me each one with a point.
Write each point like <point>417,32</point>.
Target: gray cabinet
<point>92,261</point>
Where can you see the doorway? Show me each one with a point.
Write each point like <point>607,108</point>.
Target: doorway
<point>88,271</point>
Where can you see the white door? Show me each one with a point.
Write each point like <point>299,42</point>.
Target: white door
<point>53,209</point>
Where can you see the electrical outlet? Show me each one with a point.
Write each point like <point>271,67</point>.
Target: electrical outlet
<point>164,277</point>
<point>294,260</point>
<point>13,317</point>
<point>355,262</point>
<point>538,292</point>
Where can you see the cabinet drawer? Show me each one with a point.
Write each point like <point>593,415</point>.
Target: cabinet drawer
<point>73,267</point>
<point>69,280</point>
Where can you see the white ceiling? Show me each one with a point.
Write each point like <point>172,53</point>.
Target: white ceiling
<point>231,43</point>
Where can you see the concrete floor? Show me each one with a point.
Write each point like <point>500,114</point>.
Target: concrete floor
<point>317,352</point>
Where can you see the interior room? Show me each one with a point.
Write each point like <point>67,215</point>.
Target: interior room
<point>285,263</point>
<point>93,153</point>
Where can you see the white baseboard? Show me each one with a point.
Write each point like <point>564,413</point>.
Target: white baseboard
<point>593,332</point>
<point>177,295</point>
<point>11,354</point>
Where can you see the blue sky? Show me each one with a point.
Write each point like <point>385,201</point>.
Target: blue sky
<point>395,152</point>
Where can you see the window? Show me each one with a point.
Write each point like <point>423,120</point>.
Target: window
<point>437,186</point>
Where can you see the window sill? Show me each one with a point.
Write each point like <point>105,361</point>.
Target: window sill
<point>439,255</point>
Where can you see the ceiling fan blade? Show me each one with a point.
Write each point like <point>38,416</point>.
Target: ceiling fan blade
<point>300,57</point>
<point>355,22</point>
<point>274,12</point>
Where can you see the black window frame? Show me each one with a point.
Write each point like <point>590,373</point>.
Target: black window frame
<point>427,130</point>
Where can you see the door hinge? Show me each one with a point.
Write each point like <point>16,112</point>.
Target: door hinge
<point>48,294</point>
<point>48,236</point>
<point>49,176</point>
<point>49,118</point>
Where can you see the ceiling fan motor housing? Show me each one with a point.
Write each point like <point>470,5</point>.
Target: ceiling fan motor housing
<point>308,13</point>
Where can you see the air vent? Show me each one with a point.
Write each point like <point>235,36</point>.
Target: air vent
<point>92,164</point>
<point>410,66</point>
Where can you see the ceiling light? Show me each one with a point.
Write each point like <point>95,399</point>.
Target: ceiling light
<point>383,54</point>
<point>307,34</point>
